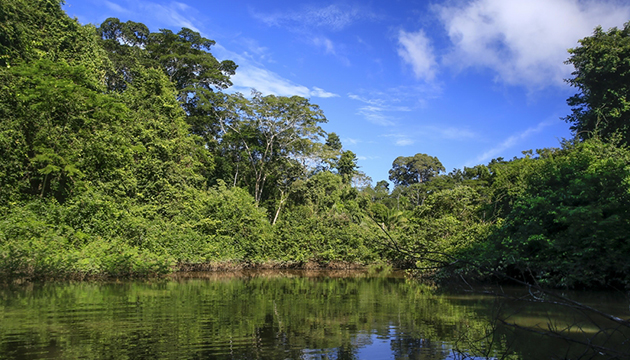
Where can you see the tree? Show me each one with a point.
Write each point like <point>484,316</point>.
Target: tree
<point>382,186</point>
<point>184,57</point>
<point>347,165</point>
<point>57,128</point>
<point>326,157</point>
<point>602,76</point>
<point>333,141</point>
<point>414,169</point>
<point>361,181</point>
<point>271,131</point>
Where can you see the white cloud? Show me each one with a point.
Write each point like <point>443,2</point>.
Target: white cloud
<point>524,42</point>
<point>265,81</point>
<point>317,92</point>
<point>252,75</point>
<point>416,50</point>
<point>511,142</point>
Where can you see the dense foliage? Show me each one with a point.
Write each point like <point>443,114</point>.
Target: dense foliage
<point>602,76</point>
<point>120,154</point>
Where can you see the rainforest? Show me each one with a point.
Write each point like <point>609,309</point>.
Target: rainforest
<point>124,154</point>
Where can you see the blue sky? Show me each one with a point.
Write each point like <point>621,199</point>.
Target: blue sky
<point>466,81</point>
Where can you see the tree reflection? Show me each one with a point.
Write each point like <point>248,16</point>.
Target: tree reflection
<point>253,316</point>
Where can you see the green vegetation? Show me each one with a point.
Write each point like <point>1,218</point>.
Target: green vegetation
<point>602,75</point>
<point>122,156</point>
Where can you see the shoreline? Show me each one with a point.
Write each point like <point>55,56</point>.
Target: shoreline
<point>217,267</point>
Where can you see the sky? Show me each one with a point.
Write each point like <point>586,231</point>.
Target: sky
<point>465,81</point>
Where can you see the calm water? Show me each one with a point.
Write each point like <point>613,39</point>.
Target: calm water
<point>271,315</point>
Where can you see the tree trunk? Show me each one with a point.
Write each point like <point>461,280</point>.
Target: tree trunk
<point>282,200</point>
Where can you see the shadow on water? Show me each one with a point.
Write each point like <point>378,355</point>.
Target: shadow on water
<point>286,314</point>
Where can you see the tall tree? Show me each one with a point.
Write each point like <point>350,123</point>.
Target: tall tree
<point>183,56</point>
<point>347,166</point>
<point>602,76</point>
<point>407,170</point>
<point>333,141</point>
<point>270,131</point>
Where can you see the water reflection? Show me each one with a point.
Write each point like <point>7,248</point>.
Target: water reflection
<point>257,315</point>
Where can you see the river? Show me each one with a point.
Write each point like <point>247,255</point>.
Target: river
<point>290,315</point>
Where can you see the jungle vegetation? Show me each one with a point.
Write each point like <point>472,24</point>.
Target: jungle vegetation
<point>121,154</point>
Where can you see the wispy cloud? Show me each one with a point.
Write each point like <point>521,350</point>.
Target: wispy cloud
<point>364,158</point>
<point>524,42</point>
<point>333,17</point>
<point>510,142</point>
<point>255,50</point>
<point>163,14</point>
<point>375,110</point>
<point>400,139</point>
<point>416,50</point>
<point>115,7</point>
<point>375,116</point>
<point>375,102</point>
<point>450,133</point>
<point>414,96</point>
<point>381,106</point>
<point>311,22</point>
<point>317,92</point>
<point>173,14</point>
<point>331,49</point>
<point>326,43</point>
<point>350,141</point>
<point>252,75</point>
<point>404,142</point>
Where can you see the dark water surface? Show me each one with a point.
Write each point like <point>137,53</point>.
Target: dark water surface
<point>283,315</point>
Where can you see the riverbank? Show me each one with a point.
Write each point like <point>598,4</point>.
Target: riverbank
<point>185,269</point>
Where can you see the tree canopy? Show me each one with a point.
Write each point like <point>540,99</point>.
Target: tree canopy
<point>602,76</point>
<point>270,133</point>
<point>407,170</point>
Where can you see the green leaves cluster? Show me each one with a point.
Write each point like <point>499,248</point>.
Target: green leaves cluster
<point>570,225</point>
<point>414,169</point>
<point>602,74</point>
